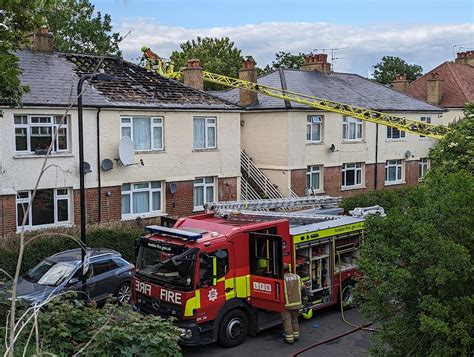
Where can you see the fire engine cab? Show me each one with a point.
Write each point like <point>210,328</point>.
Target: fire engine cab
<point>220,273</point>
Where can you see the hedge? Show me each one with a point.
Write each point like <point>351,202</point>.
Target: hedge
<point>120,238</point>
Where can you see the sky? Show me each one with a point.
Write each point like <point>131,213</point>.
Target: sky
<point>420,31</point>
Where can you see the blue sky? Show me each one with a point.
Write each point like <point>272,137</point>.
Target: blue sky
<point>421,31</point>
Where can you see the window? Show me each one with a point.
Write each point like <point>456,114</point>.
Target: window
<point>35,133</point>
<point>266,255</point>
<point>146,133</point>
<point>203,191</point>
<point>103,266</point>
<point>352,174</point>
<point>204,132</point>
<point>423,166</point>
<point>425,120</point>
<point>352,129</point>
<point>142,197</point>
<point>313,128</point>
<point>393,171</point>
<point>313,178</point>
<point>49,207</point>
<point>394,133</point>
<point>206,266</point>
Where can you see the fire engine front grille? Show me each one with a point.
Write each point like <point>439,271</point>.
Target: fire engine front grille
<point>157,307</point>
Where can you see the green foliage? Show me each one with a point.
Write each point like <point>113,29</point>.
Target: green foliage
<point>417,262</point>
<point>67,325</point>
<point>385,71</point>
<point>216,55</point>
<point>285,60</point>
<point>121,239</point>
<point>76,29</point>
<point>456,151</point>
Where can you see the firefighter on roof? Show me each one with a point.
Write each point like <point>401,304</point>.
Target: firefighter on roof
<point>292,285</point>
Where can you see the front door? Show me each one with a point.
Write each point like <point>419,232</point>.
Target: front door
<point>266,277</point>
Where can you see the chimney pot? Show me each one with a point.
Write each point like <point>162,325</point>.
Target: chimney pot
<point>194,63</point>
<point>466,57</point>
<point>248,64</point>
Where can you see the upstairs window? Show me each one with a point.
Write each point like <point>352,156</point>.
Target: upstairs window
<point>146,133</point>
<point>49,207</point>
<point>34,133</point>
<point>313,128</point>
<point>425,120</point>
<point>394,133</point>
<point>352,174</point>
<point>204,133</point>
<point>394,171</point>
<point>352,129</point>
<point>204,191</point>
<point>141,198</point>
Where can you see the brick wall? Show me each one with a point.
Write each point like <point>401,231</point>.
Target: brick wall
<point>7,214</point>
<point>181,202</point>
<point>110,205</point>
<point>227,190</point>
<point>298,181</point>
<point>412,172</point>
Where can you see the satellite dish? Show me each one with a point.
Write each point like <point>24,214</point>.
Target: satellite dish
<point>173,187</point>
<point>87,168</point>
<point>126,151</point>
<point>107,165</point>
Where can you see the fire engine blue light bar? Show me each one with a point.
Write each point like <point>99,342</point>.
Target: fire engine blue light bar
<point>179,233</point>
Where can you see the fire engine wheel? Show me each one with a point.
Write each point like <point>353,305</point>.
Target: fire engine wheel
<point>124,293</point>
<point>233,328</point>
<point>347,294</point>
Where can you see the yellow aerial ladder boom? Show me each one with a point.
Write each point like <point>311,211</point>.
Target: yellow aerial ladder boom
<point>391,120</point>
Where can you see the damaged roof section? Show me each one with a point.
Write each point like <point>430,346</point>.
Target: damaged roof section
<point>53,78</point>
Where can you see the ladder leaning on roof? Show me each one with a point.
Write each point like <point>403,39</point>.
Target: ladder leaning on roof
<point>373,116</point>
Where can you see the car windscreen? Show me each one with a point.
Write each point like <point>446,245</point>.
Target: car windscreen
<point>50,273</point>
<point>173,266</point>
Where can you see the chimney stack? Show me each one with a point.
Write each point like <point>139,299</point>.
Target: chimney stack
<point>435,89</point>
<point>400,83</point>
<point>42,40</point>
<point>317,62</point>
<point>248,73</point>
<point>193,76</point>
<point>465,58</point>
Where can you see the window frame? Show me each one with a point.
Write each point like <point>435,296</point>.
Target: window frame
<point>397,163</point>
<point>209,122</point>
<point>425,119</point>
<point>153,125</point>
<point>130,192</point>
<point>357,167</point>
<point>309,129</point>
<point>54,124</point>
<point>205,185</point>
<point>310,171</point>
<point>391,131</point>
<point>56,197</point>
<point>347,122</point>
<point>423,167</point>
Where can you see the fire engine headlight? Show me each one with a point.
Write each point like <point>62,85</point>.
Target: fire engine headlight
<point>186,333</point>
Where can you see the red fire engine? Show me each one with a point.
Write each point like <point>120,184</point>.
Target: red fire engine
<point>220,273</point>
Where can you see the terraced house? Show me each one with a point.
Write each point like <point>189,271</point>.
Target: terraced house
<point>302,150</point>
<point>186,143</point>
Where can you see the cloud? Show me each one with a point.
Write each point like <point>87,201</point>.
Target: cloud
<point>426,44</point>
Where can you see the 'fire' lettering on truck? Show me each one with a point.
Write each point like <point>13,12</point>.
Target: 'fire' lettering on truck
<point>143,288</point>
<point>170,296</point>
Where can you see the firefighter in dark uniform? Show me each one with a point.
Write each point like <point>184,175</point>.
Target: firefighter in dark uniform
<point>292,287</point>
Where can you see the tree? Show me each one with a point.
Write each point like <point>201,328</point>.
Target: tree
<point>216,55</point>
<point>77,30</point>
<point>417,262</point>
<point>285,60</point>
<point>385,71</point>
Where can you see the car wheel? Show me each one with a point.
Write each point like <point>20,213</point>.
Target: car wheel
<point>233,329</point>
<point>347,294</point>
<point>124,293</point>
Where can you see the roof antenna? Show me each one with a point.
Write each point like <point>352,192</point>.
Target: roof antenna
<point>459,49</point>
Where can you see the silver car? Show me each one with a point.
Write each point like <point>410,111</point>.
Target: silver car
<point>108,274</point>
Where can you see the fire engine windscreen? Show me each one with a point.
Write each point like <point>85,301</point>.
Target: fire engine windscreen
<point>170,265</point>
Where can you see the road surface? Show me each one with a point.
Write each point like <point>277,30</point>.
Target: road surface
<point>323,325</point>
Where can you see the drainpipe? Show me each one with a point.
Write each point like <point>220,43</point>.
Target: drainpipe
<point>376,155</point>
<point>99,187</point>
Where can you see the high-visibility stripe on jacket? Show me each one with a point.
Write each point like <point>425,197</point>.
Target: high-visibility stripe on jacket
<point>292,285</point>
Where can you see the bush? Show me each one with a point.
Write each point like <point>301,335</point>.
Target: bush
<point>120,238</point>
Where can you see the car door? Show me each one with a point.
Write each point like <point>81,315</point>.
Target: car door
<point>103,281</point>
